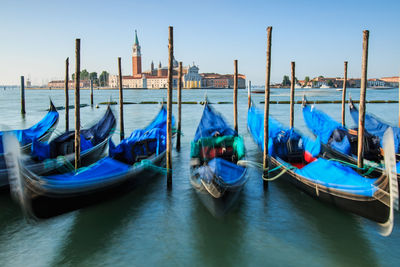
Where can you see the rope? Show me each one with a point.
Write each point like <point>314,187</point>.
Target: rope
<point>177,132</point>
<point>148,164</point>
<point>275,177</point>
<point>245,163</point>
<point>369,168</point>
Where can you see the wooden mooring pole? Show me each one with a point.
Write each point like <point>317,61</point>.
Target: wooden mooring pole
<point>292,95</point>
<point>178,137</point>
<point>91,93</point>
<point>266,108</point>
<point>344,94</point>
<point>363,91</point>
<point>399,100</point>
<point>169,106</point>
<point>22,95</point>
<point>77,104</point>
<point>121,102</point>
<point>249,95</point>
<point>235,92</point>
<point>66,94</point>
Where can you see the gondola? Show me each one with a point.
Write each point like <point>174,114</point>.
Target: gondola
<point>340,143</point>
<point>134,161</point>
<point>214,173</point>
<point>298,160</point>
<point>40,131</point>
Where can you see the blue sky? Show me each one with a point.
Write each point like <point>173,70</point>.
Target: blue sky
<point>37,36</point>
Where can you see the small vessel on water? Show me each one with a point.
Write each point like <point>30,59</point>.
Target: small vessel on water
<point>214,173</point>
<point>134,161</point>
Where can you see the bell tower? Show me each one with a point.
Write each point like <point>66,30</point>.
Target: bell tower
<point>136,58</point>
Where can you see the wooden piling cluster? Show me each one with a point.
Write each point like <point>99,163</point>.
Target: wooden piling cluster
<point>266,107</point>
<point>169,106</point>
<point>77,103</point>
<point>363,91</point>
<point>121,102</point>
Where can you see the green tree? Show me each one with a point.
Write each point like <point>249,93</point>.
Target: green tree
<point>286,81</point>
<point>306,79</point>
<point>103,78</point>
<point>330,83</point>
<point>84,75</point>
<point>93,77</point>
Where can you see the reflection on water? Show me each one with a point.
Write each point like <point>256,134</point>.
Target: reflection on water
<point>154,226</point>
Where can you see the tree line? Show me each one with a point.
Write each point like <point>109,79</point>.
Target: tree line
<point>102,80</point>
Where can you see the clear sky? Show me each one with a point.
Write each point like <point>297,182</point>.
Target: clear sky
<point>37,36</point>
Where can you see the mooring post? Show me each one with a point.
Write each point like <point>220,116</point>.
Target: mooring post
<point>363,91</point>
<point>178,137</point>
<point>249,95</point>
<point>91,93</point>
<point>266,109</point>
<point>77,104</point>
<point>399,100</point>
<point>169,106</point>
<point>66,94</point>
<point>344,94</point>
<point>22,96</point>
<point>292,95</point>
<point>121,102</point>
<point>235,91</point>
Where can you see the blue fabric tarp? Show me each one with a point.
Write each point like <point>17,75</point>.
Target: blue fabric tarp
<point>103,169</point>
<point>334,175</point>
<point>155,131</point>
<point>212,122</point>
<point>376,127</point>
<point>36,131</point>
<point>229,172</point>
<point>320,123</point>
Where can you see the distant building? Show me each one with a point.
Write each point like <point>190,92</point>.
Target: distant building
<point>71,84</point>
<point>375,82</point>
<point>391,81</point>
<point>214,80</point>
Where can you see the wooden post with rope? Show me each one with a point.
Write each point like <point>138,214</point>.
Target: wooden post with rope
<point>292,95</point>
<point>235,92</point>
<point>363,91</point>
<point>169,106</point>
<point>91,93</point>
<point>77,104</point>
<point>266,108</point>
<point>121,102</point>
<point>344,94</point>
<point>66,94</point>
<point>178,137</point>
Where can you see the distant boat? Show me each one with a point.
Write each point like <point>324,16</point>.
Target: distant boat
<point>339,89</point>
<point>258,91</point>
<point>324,86</point>
<point>381,87</point>
<point>307,87</point>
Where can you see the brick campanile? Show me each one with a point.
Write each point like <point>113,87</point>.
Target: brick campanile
<point>136,58</point>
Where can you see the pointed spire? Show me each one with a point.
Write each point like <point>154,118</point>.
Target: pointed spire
<point>136,39</point>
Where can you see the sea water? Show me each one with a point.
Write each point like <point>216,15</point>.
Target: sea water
<point>154,226</point>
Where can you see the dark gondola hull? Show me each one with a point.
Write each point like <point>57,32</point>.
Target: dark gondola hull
<point>46,203</point>
<point>368,207</point>
<point>218,207</point>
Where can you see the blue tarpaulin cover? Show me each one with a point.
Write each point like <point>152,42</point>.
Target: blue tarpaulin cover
<point>334,175</point>
<point>157,130</point>
<point>376,127</point>
<point>36,131</point>
<point>212,122</point>
<point>229,172</point>
<point>320,123</point>
<point>328,173</point>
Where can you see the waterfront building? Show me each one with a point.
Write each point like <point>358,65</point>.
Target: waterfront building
<point>391,81</point>
<point>58,84</point>
<point>136,59</point>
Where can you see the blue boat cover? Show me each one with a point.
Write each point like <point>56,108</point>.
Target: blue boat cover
<point>320,123</point>
<point>155,133</point>
<point>376,127</point>
<point>62,144</point>
<point>103,169</point>
<point>325,172</point>
<point>35,132</point>
<point>211,123</point>
<point>228,172</point>
<point>334,175</point>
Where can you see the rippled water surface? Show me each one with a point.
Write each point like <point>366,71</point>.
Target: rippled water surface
<point>154,226</point>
